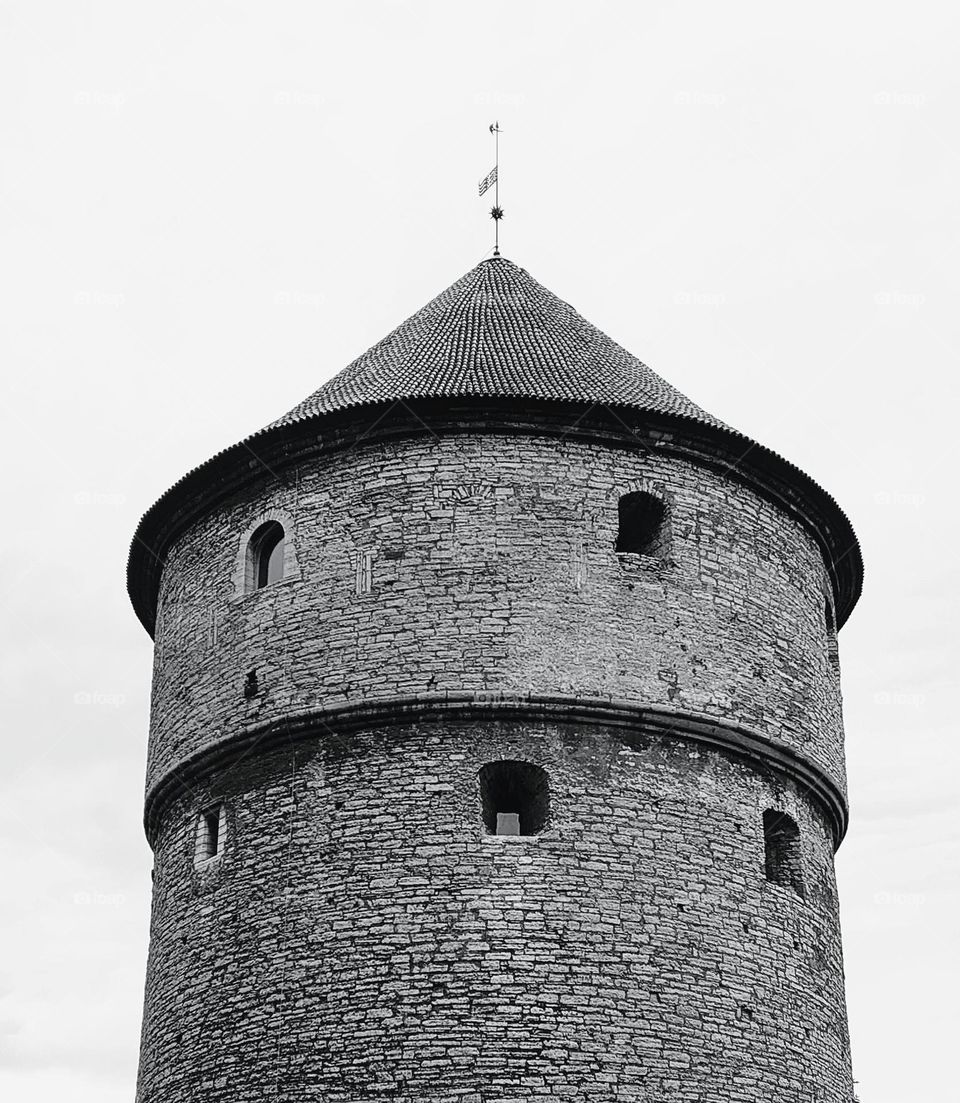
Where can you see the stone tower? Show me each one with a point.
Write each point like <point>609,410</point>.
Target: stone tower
<point>496,750</point>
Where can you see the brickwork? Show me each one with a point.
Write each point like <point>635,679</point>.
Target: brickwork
<point>475,545</point>
<point>332,918</point>
<point>362,938</point>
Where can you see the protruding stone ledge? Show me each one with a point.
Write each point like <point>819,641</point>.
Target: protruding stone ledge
<point>567,709</point>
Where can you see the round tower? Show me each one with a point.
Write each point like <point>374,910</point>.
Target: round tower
<point>496,748</point>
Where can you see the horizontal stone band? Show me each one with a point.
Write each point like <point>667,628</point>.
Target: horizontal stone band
<point>566,709</point>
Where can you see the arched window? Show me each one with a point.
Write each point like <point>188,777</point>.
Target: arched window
<point>642,528</point>
<point>265,556</point>
<point>515,798</point>
<point>782,855</point>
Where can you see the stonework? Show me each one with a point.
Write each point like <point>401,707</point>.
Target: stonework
<point>477,593</point>
<point>451,598</point>
<point>362,938</point>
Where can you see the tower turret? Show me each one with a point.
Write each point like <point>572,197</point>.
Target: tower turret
<point>496,745</point>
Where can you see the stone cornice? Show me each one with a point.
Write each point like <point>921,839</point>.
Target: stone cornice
<point>628,717</point>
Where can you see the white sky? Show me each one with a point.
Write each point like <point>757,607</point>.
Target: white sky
<point>209,208</point>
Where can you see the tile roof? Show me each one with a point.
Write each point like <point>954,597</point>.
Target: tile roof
<point>496,332</point>
<point>494,335</point>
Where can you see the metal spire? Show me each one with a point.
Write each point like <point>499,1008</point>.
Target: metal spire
<point>496,211</point>
<point>493,177</point>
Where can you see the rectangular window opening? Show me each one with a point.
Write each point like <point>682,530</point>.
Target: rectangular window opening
<point>210,833</point>
<point>364,572</point>
<point>783,856</point>
<point>514,798</point>
<point>642,525</point>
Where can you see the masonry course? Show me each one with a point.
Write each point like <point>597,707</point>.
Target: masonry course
<point>479,594</point>
<point>362,937</point>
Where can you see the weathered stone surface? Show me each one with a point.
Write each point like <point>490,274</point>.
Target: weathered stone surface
<point>331,920</point>
<point>361,937</point>
<point>479,592</point>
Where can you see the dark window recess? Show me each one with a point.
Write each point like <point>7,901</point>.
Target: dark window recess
<point>833,648</point>
<point>515,798</point>
<point>782,855</point>
<point>642,529</point>
<point>265,560</point>
<point>208,833</point>
<point>251,687</point>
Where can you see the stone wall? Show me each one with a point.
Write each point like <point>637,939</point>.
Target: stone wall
<point>494,571</point>
<point>362,938</point>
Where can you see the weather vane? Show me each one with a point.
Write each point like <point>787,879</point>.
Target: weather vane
<point>496,211</point>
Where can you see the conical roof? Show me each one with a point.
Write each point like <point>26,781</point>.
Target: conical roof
<point>498,333</point>
<point>494,345</point>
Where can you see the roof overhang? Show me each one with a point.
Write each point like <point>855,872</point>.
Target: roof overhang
<point>266,454</point>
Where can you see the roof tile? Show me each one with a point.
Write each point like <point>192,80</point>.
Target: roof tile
<point>497,332</point>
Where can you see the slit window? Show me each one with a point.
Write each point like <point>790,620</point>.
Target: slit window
<point>251,686</point>
<point>642,525</point>
<point>833,650</point>
<point>782,854</point>
<point>515,798</point>
<point>364,569</point>
<point>211,825</point>
<point>265,561</point>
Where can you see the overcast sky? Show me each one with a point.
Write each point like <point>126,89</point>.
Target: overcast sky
<point>207,209</point>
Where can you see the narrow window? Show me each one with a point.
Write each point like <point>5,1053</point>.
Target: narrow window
<point>642,529</point>
<point>515,798</point>
<point>364,572</point>
<point>782,857</point>
<point>579,565</point>
<point>265,556</point>
<point>210,833</point>
<point>251,686</point>
<point>833,650</point>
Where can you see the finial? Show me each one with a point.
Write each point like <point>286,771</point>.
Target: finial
<point>493,177</point>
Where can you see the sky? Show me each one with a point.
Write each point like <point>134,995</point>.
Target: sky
<point>209,208</point>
